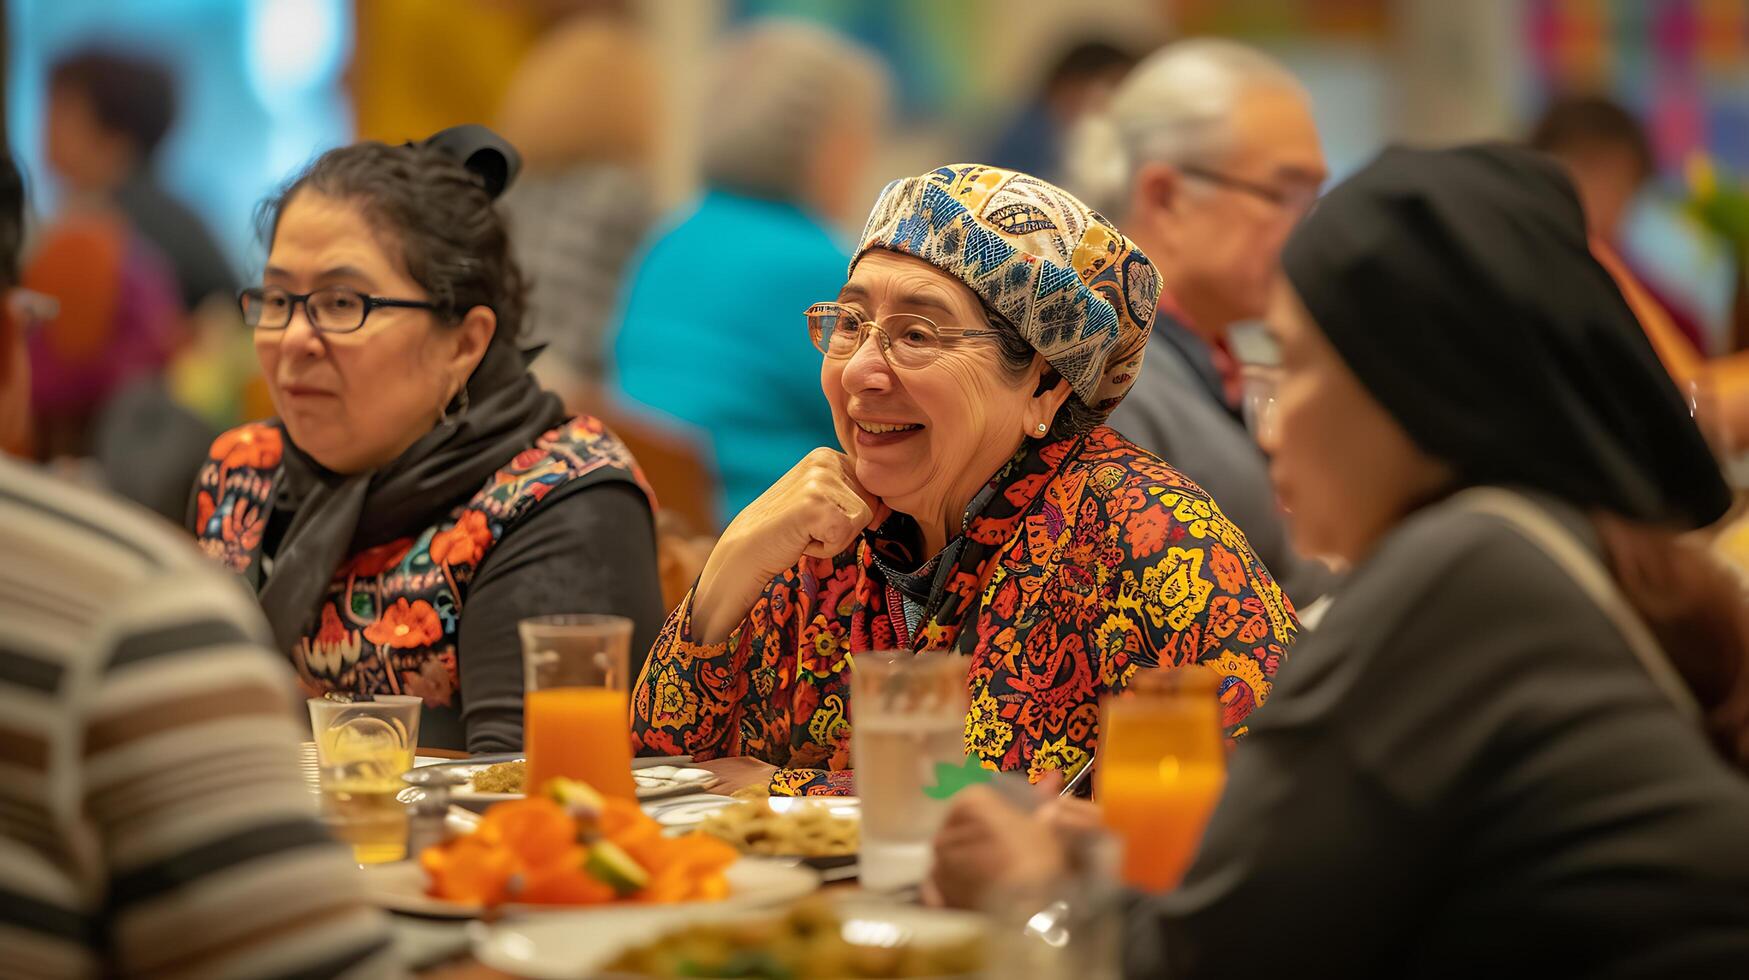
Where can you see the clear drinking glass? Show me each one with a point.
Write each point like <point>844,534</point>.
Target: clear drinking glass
<point>907,743</point>
<point>362,749</point>
<point>577,710</point>
<point>1067,928</point>
<point>1162,766</point>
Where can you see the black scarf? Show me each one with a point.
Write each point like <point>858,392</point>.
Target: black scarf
<point>1459,287</point>
<point>330,516</point>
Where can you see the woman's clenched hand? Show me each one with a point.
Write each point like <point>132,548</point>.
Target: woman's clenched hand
<point>817,509</point>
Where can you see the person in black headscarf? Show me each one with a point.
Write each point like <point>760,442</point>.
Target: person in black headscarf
<point>418,493</point>
<point>1515,745</point>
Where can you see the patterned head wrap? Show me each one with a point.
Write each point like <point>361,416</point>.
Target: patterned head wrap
<point>1080,292</point>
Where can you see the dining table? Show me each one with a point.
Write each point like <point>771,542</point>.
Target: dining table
<point>441,950</point>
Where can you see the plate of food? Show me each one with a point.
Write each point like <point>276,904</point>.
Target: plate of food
<point>816,937</point>
<point>575,851</point>
<point>823,831</point>
<point>499,778</point>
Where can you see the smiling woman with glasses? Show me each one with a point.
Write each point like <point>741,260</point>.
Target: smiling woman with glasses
<point>418,493</point>
<point>976,503</point>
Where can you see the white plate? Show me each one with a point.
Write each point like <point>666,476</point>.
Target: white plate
<point>687,812</point>
<point>659,782</point>
<point>682,813</point>
<point>653,783</point>
<point>754,883</point>
<point>840,806</point>
<point>556,948</point>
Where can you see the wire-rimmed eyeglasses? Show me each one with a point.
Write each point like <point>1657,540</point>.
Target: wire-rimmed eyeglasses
<point>909,340</point>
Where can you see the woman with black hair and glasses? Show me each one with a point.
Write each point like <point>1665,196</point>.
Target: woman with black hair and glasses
<point>418,493</point>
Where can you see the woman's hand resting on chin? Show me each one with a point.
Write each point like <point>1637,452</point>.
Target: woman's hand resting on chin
<point>817,509</point>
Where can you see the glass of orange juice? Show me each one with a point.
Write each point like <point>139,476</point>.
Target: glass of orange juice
<point>1162,766</point>
<point>576,712</point>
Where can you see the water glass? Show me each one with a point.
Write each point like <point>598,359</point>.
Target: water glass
<point>1067,928</point>
<point>907,743</point>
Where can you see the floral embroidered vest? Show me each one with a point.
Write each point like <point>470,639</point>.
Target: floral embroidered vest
<point>389,621</point>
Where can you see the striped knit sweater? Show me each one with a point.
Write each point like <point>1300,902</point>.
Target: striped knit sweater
<point>153,821</point>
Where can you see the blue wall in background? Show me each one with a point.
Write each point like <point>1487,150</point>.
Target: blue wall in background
<point>259,86</point>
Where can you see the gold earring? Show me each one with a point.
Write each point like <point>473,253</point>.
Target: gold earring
<point>1042,428</point>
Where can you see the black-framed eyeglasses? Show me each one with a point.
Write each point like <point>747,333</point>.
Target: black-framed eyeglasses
<point>909,340</point>
<point>1297,200</point>
<point>331,309</point>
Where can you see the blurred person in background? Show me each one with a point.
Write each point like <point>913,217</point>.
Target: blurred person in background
<point>1516,745</point>
<point>707,337</point>
<point>577,215</point>
<point>108,111</point>
<point>418,493</point>
<point>1207,155</point>
<point>1609,160</point>
<point>129,663</point>
<point>583,204</point>
<point>120,323</point>
<point>1078,84</point>
<point>126,378</point>
<point>988,325</point>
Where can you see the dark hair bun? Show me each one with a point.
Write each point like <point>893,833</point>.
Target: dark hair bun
<point>483,152</point>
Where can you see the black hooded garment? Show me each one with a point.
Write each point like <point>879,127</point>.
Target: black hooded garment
<point>1459,287</point>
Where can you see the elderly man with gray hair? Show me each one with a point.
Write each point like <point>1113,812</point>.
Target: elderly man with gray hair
<point>1206,157</point>
<point>710,336</point>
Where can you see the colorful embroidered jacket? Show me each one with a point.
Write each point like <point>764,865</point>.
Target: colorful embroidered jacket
<point>392,614</point>
<point>1085,559</point>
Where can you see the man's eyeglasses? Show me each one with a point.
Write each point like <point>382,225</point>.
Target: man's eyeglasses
<point>1297,200</point>
<point>908,340</point>
<point>331,309</point>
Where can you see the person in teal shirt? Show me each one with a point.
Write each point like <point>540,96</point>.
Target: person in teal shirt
<point>711,336</point>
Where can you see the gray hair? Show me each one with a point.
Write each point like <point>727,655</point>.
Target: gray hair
<point>1018,354</point>
<point>773,89</point>
<point>1173,108</point>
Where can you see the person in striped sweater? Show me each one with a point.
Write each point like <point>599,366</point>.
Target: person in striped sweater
<point>152,815</point>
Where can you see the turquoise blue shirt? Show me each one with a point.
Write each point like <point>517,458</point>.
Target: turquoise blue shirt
<point>712,336</point>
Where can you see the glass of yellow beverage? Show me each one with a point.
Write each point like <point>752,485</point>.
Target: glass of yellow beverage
<point>362,749</point>
<point>1162,766</point>
<point>576,718</point>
